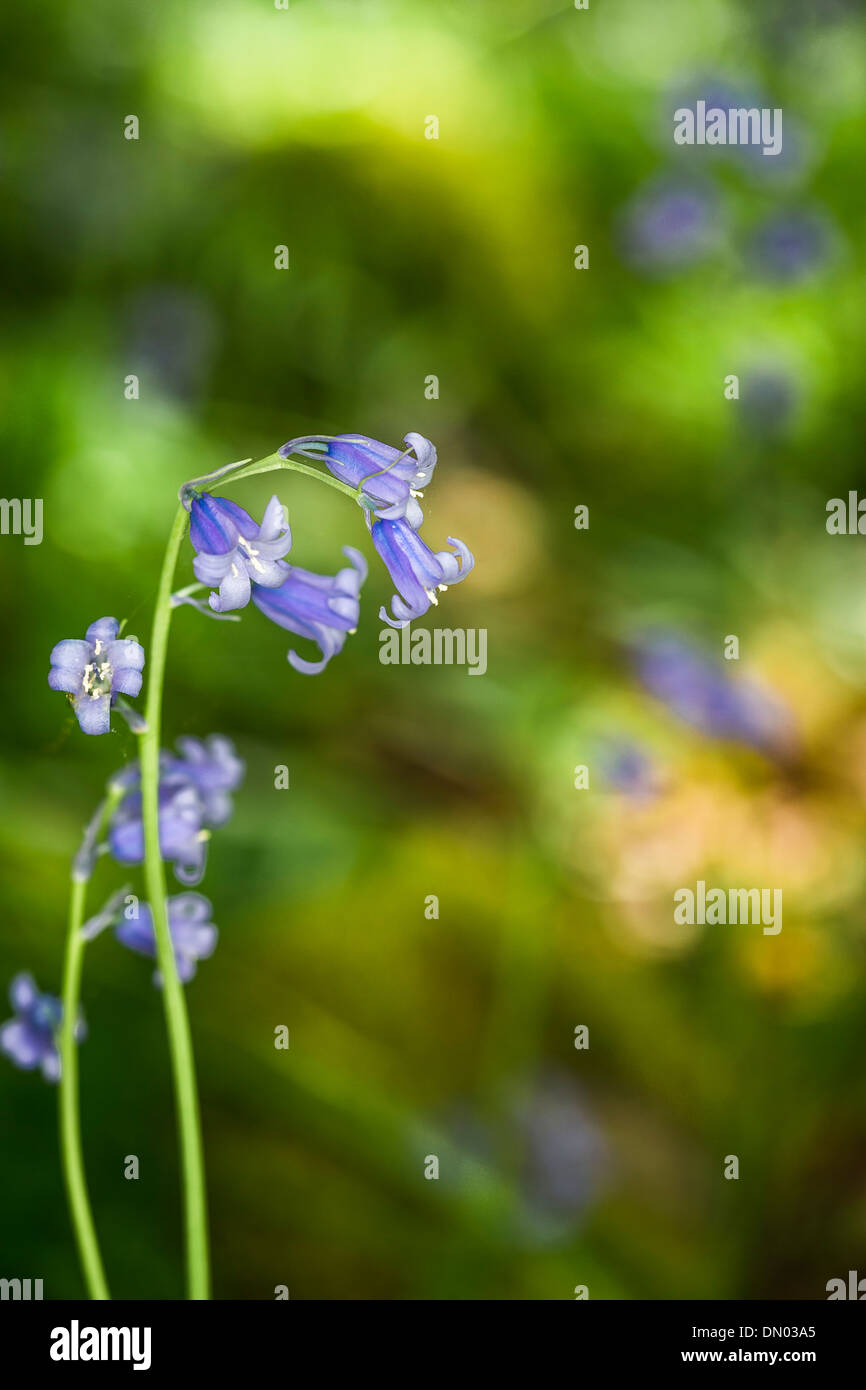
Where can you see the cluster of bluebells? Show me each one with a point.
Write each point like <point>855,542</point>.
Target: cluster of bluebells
<point>248,562</point>
<point>241,561</point>
<point>195,786</point>
<point>389,482</point>
<point>684,215</point>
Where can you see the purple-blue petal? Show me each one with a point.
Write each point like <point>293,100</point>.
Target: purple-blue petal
<point>126,681</point>
<point>93,713</point>
<point>104,630</point>
<point>23,992</point>
<point>216,522</point>
<point>126,652</point>
<point>72,654</point>
<point>22,1043</point>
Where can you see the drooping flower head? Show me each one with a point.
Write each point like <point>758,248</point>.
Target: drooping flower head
<point>389,479</point>
<point>193,935</point>
<point>29,1039</point>
<point>232,550</point>
<point>416,570</point>
<point>95,670</point>
<point>322,607</point>
<point>193,799</point>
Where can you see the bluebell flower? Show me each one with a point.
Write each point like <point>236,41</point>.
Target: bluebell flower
<point>670,224</point>
<point>193,935</point>
<point>391,479</point>
<point>565,1154</point>
<point>183,835</point>
<point>29,1039</point>
<point>416,571</point>
<point>214,768</point>
<point>789,246</point>
<point>701,692</point>
<point>322,607</point>
<point>232,550</point>
<point>545,1144</point>
<point>194,787</point>
<point>626,767</point>
<point>718,92</point>
<point>721,93</point>
<point>94,671</point>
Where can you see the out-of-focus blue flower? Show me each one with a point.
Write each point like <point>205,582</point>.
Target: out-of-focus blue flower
<point>564,1152</point>
<point>322,607</point>
<point>789,246</point>
<point>669,225</point>
<point>194,787</point>
<point>193,935</point>
<point>545,1132</point>
<point>214,768</point>
<point>389,479</point>
<point>626,768</point>
<point>232,550</point>
<point>768,396</point>
<point>94,671</point>
<point>28,1039</point>
<point>719,92</point>
<point>701,692</point>
<point>183,836</point>
<point>416,571</point>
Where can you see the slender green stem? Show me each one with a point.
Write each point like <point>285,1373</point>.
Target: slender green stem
<point>70,1129</point>
<point>177,1021</point>
<point>176,1018</point>
<point>271,463</point>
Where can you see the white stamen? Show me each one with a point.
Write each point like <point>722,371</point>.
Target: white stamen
<point>256,564</point>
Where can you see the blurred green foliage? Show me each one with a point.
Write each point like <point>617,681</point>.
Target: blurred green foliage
<point>558,387</point>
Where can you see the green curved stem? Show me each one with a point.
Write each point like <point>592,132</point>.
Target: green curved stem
<point>71,1155</point>
<point>177,1020</point>
<point>70,1129</point>
<point>270,464</point>
<point>174,1003</point>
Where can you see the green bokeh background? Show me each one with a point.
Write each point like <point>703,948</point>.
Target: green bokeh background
<point>411,257</point>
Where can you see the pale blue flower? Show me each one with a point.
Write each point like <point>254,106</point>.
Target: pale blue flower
<point>95,671</point>
<point>193,935</point>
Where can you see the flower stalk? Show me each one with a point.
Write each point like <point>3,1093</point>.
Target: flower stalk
<point>72,1159</point>
<point>176,1018</point>
<point>196,1240</point>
